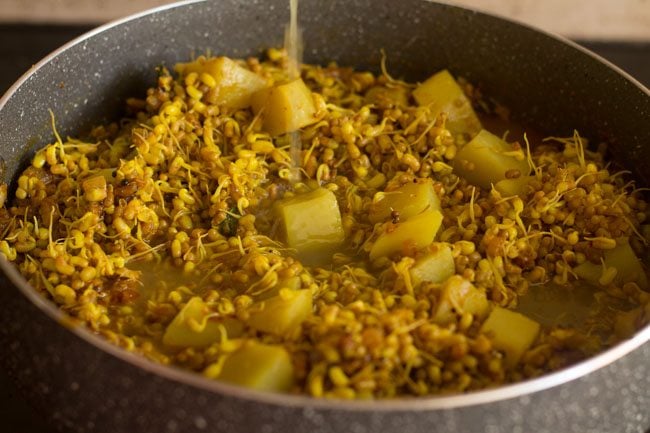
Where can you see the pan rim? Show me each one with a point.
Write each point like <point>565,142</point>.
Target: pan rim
<point>419,404</point>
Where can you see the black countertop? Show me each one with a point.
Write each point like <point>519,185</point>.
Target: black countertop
<point>21,46</point>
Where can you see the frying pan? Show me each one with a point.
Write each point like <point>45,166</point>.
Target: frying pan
<point>80,383</point>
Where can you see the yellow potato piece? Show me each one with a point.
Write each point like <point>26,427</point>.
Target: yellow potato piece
<point>193,326</point>
<point>282,314</point>
<point>407,237</point>
<point>459,296</point>
<point>407,200</point>
<point>291,283</point>
<point>443,93</point>
<point>517,186</point>
<point>311,224</point>
<point>234,84</point>
<point>435,266</point>
<point>627,323</point>
<point>285,108</point>
<point>622,258</point>
<point>259,366</point>
<point>485,160</point>
<point>511,332</point>
<point>628,266</point>
<point>589,271</point>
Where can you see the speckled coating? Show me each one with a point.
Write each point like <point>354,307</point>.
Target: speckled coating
<point>82,385</point>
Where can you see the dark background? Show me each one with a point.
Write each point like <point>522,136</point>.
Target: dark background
<point>21,46</point>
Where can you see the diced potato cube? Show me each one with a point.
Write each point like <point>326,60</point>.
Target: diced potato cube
<point>291,283</point>
<point>409,236</point>
<point>459,296</point>
<point>387,95</point>
<point>517,186</point>
<point>259,366</point>
<point>627,323</point>
<point>485,160</point>
<point>622,258</point>
<point>628,266</point>
<point>443,93</point>
<point>282,314</point>
<point>234,84</point>
<point>435,266</point>
<point>311,223</point>
<point>511,332</point>
<point>193,326</point>
<point>589,271</point>
<point>408,200</point>
<point>285,108</point>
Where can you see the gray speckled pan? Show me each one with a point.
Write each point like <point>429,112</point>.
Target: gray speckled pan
<point>82,384</point>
